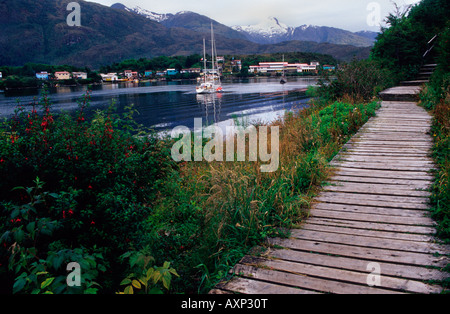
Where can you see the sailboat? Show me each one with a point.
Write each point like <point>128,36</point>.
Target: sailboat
<point>283,78</point>
<point>210,82</point>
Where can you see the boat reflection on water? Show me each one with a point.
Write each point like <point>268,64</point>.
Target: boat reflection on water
<point>211,105</point>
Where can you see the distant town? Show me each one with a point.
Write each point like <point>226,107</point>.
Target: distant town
<point>35,75</point>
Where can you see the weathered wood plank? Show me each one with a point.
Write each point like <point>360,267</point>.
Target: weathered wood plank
<point>372,226</point>
<point>370,254</point>
<point>250,286</point>
<point>345,198</point>
<point>382,166</point>
<point>370,233</point>
<point>379,173</point>
<point>340,275</point>
<point>374,189</point>
<point>399,220</point>
<point>339,262</point>
<point>306,282</point>
<point>371,242</point>
<point>396,212</point>
<point>393,183</point>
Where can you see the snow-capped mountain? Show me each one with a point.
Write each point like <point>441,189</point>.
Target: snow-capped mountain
<point>272,31</point>
<point>157,17</point>
<point>271,27</point>
<point>268,31</point>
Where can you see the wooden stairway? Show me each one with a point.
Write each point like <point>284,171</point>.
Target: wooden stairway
<point>369,230</point>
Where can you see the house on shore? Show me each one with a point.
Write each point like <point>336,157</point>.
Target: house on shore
<point>64,75</point>
<point>79,75</point>
<point>1,75</point>
<point>110,77</point>
<point>42,76</point>
<point>148,73</point>
<point>171,72</point>
<point>279,67</point>
<point>191,71</point>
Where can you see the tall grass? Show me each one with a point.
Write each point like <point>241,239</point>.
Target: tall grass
<point>440,199</point>
<point>210,214</point>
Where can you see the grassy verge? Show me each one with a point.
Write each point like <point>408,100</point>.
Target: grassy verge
<point>440,200</point>
<point>210,214</point>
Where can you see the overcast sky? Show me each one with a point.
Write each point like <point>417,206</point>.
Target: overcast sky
<point>346,14</point>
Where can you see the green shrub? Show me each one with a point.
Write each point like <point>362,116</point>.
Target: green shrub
<point>356,81</point>
<point>102,177</point>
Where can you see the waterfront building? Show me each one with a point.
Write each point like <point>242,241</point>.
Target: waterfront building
<point>79,75</point>
<point>279,67</point>
<point>42,76</point>
<point>172,72</point>
<point>110,77</point>
<point>63,75</point>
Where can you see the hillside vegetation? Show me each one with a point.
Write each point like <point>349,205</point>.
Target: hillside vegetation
<point>37,32</point>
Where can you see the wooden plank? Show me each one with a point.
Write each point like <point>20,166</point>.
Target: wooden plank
<point>374,189</point>
<point>341,275</point>
<point>404,175</point>
<point>361,152</point>
<point>370,242</point>
<point>339,262</point>
<point>370,233</point>
<point>399,129</point>
<point>398,220</point>
<point>386,149</point>
<point>391,159</point>
<point>415,162</point>
<point>372,226</point>
<point>382,166</point>
<point>307,282</point>
<point>250,286</point>
<point>397,183</point>
<point>396,212</point>
<point>342,197</point>
<point>218,291</point>
<point>370,254</point>
<point>380,203</point>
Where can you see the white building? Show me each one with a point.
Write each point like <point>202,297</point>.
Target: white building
<point>79,75</point>
<point>1,75</point>
<point>278,67</point>
<point>110,77</point>
<point>64,75</point>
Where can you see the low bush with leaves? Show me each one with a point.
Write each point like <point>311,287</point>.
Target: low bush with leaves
<point>357,81</point>
<point>96,184</point>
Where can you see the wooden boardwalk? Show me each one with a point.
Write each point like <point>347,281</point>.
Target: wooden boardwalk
<point>369,230</point>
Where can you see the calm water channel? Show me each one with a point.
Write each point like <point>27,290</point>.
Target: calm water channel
<point>165,105</point>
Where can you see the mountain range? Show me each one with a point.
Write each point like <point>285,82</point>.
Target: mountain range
<point>268,31</point>
<point>37,31</point>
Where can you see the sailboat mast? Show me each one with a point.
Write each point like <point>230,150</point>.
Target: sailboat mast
<point>212,48</point>
<point>204,59</point>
